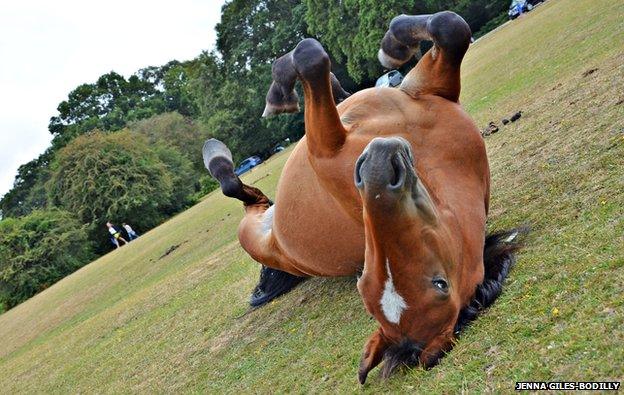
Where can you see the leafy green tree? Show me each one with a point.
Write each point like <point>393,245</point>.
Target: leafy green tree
<point>178,93</point>
<point>37,250</point>
<point>28,192</point>
<point>482,15</point>
<point>117,176</point>
<point>351,30</point>
<point>112,101</point>
<point>255,32</point>
<point>175,131</point>
<point>184,178</point>
<point>207,184</point>
<point>230,87</point>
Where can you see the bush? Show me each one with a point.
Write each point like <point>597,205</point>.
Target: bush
<point>174,131</point>
<point>37,250</point>
<point>118,177</point>
<point>207,184</point>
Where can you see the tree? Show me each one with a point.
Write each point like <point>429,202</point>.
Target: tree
<point>482,15</point>
<point>255,32</point>
<point>184,179</point>
<point>37,250</point>
<point>175,131</point>
<point>351,31</point>
<point>117,176</point>
<point>28,192</point>
<point>231,86</point>
<point>112,101</point>
<point>177,92</point>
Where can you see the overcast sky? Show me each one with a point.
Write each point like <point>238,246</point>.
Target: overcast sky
<point>47,48</point>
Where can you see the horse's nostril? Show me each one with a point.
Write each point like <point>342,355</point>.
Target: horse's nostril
<point>358,168</point>
<point>398,172</point>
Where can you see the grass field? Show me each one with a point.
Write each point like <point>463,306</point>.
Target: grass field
<point>140,320</point>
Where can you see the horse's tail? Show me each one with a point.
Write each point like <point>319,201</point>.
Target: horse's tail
<point>499,255</point>
<point>218,161</point>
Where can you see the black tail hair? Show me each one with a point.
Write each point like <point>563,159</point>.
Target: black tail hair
<point>498,257</point>
<point>272,283</point>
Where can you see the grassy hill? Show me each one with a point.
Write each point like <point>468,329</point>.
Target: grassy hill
<point>169,312</point>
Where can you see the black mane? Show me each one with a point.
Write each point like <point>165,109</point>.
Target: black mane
<point>498,257</point>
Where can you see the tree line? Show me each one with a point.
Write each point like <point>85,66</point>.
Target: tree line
<point>128,149</point>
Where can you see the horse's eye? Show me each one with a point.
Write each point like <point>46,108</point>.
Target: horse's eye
<point>440,284</point>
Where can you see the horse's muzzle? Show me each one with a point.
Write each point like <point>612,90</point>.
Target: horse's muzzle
<point>385,165</point>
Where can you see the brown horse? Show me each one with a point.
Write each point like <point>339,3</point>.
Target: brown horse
<point>414,215</point>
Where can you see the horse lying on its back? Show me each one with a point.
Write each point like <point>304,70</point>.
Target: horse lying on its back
<point>395,178</point>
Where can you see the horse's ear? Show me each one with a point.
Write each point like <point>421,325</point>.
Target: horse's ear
<point>373,354</point>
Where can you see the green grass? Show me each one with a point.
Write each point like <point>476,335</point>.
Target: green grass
<point>133,321</point>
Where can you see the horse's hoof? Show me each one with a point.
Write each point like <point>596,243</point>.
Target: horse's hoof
<point>271,109</point>
<point>214,148</point>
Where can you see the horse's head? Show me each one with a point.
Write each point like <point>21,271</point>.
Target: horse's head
<point>409,280</point>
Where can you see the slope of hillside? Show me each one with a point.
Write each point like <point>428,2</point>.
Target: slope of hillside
<point>169,312</point>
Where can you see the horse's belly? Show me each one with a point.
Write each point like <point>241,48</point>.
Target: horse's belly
<point>310,226</point>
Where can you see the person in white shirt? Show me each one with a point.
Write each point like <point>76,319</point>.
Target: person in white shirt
<point>131,233</point>
<point>115,234</point>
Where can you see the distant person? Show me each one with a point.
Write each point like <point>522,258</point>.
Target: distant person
<point>131,233</point>
<point>114,241</point>
<point>116,234</point>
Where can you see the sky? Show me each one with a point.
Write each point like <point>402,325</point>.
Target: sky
<point>48,48</point>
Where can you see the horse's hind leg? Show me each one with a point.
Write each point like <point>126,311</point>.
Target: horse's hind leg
<point>218,161</point>
<point>437,72</point>
<point>254,236</point>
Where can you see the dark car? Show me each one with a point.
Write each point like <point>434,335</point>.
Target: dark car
<point>248,164</point>
<point>519,7</point>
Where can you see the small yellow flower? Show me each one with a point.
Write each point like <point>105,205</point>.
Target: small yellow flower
<point>555,312</point>
<point>603,202</point>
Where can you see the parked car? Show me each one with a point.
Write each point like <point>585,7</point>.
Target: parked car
<point>277,148</point>
<point>391,79</point>
<point>518,7</point>
<point>247,165</point>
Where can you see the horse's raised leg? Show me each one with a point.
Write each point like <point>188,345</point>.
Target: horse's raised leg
<point>310,63</point>
<point>254,231</point>
<point>437,72</point>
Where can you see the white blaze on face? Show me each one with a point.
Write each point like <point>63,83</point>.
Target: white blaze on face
<point>392,304</point>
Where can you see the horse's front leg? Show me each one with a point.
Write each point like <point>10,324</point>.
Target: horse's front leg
<point>310,63</point>
<point>325,135</point>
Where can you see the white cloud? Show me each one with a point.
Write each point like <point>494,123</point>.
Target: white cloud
<point>47,48</point>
